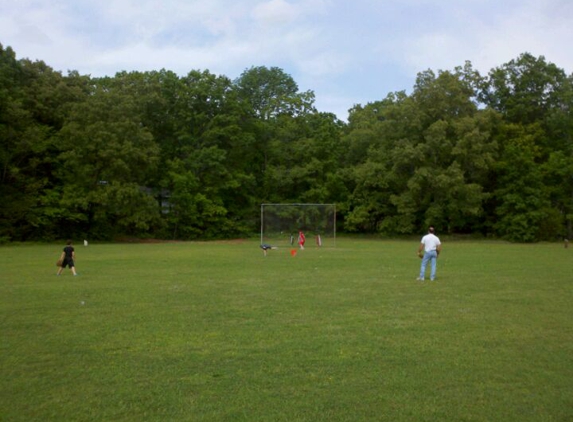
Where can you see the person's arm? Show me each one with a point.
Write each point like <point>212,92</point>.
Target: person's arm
<point>420,249</point>
<point>439,249</point>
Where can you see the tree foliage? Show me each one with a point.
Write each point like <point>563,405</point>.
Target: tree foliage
<point>154,154</point>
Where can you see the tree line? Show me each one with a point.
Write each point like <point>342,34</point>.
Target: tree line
<point>154,154</point>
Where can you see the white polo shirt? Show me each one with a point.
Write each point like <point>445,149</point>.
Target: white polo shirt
<point>430,242</point>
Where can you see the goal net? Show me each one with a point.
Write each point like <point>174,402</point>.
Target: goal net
<point>281,224</point>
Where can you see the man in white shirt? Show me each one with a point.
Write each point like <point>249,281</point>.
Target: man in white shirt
<point>431,246</point>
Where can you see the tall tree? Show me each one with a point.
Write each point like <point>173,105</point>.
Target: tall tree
<point>34,101</point>
<point>305,153</point>
<point>107,157</point>
<point>525,89</point>
<point>273,99</point>
<point>533,97</point>
<point>15,121</point>
<point>418,168</point>
<point>522,198</point>
<point>558,169</point>
<point>209,180</point>
<point>271,92</point>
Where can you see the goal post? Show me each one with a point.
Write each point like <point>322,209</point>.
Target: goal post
<point>281,223</point>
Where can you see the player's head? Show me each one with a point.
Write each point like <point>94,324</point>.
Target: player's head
<point>69,242</point>
<point>431,229</point>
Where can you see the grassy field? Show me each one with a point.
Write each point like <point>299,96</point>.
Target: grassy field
<point>217,332</point>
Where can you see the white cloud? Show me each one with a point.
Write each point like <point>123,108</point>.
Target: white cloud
<point>487,38</point>
<point>221,26</point>
<point>323,64</point>
<point>351,52</point>
<point>275,12</point>
<point>533,28</point>
<point>338,104</point>
<point>33,34</point>
<point>283,12</point>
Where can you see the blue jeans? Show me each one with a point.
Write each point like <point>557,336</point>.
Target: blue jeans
<point>432,257</point>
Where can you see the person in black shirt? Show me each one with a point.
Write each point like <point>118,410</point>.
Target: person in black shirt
<point>68,256</point>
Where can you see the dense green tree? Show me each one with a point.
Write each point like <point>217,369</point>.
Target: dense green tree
<point>558,168</point>
<point>107,157</point>
<point>209,179</point>
<point>306,155</point>
<point>15,121</point>
<point>427,156</point>
<point>270,92</point>
<point>524,90</point>
<point>299,153</point>
<point>534,100</point>
<point>34,101</point>
<point>523,201</point>
<point>155,154</point>
<point>272,98</point>
<point>381,139</point>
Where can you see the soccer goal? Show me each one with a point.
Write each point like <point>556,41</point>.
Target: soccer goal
<point>281,224</point>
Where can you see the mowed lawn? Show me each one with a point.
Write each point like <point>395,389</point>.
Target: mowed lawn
<point>215,331</point>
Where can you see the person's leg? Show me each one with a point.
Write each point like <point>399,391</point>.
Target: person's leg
<point>64,264</point>
<point>423,266</point>
<point>73,270</point>
<point>434,264</point>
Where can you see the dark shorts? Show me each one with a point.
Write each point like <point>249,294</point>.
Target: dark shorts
<point>68,262</point>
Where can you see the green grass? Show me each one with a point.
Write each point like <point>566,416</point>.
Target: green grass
<point>217,332</point>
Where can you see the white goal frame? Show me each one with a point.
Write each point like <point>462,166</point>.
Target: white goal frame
<point>301,205</point>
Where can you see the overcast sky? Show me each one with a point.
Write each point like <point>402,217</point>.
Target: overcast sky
<point>347,51</point>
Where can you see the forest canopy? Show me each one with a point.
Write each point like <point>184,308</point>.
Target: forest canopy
<point>158,155</point>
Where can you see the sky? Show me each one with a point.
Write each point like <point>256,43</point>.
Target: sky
<point>347,52</point>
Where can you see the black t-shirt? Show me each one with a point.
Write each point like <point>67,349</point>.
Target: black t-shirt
<point>68,250</point>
